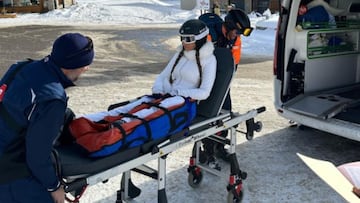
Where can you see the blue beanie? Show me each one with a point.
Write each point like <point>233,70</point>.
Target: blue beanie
<point>72,50</point>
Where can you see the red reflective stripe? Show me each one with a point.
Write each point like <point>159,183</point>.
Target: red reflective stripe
<point>2,91</point>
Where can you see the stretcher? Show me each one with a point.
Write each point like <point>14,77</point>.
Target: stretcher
<point>78,171</point>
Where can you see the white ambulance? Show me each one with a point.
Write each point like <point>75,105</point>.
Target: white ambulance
<point>317,65</point>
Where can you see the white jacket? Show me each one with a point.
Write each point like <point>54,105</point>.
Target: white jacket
<point>186,75</point>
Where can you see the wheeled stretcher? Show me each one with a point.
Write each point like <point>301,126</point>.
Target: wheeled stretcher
<point>78,171</point>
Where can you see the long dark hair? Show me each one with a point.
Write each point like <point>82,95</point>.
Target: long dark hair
<point>181,54</point>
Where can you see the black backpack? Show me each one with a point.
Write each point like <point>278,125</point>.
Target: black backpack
<point>214,23</point>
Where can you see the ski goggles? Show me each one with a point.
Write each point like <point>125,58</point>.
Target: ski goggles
<point>239,29</point>
<point>189,38</point>
<point>89,46</point>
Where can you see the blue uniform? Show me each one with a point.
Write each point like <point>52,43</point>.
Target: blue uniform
<point>37,101</point>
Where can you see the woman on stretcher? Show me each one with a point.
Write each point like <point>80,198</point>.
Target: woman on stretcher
<point>190,74</point>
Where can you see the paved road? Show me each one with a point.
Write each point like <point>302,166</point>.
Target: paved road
<point>126,66</point>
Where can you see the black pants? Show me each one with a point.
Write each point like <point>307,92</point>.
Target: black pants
<point>210,145</point>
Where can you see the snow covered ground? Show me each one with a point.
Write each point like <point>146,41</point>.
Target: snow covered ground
<point>145,13</point>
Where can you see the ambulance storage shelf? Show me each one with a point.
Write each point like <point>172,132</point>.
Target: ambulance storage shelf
<point>340,40</point>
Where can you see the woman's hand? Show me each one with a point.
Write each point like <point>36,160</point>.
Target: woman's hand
<point>174,92</point>
<point>157,96</point>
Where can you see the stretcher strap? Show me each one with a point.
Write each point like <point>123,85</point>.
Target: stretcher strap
<point>166,111</point>
<point>113,106</point>
<point>146,124</point>
<point>185,119</point>
<point>117,124</point>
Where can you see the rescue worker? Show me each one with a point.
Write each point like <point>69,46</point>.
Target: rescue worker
<point>32,111</point>
<point>227,36</point>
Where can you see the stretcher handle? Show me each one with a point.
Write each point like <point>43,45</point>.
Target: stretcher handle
<point>261,109</point>
<point>76,185</point>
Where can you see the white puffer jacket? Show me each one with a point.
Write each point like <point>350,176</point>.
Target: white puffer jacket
<point>186,75</point>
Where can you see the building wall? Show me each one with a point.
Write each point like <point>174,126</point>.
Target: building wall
<point>249,5</point>
<point>274,6</point>
<point>28,6</point>
<point>262,5</point>
<point>238,4</point>
<point>49,5</point>
<point>68,3</point>
<point>63,3</point>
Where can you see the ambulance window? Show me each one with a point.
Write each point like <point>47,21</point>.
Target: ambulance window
<point>355,7</point>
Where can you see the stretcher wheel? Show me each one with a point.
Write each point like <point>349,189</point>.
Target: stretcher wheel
<point>252,126</point>
<point>195,177</point>
<point>232,198</point>
<point>259,126</point>
<point>249,135</point>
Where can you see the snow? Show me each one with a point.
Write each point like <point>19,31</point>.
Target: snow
<point>146,13</point>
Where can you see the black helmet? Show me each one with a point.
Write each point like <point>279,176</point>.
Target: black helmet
<point>237,19</point>
<point>194,31</point>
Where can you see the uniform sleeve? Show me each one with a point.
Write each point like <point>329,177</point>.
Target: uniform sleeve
<point>162,84</point>
<point>236,50</point>
<point>208,78</point>
<point>44,127</point>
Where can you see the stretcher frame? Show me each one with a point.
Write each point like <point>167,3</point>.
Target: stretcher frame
<point>205,126</point>
<point>227,121</point>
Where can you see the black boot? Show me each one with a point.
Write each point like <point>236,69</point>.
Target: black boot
<point>212,163</point>
<point>222,153</point>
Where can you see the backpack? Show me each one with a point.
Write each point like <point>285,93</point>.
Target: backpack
<point>214,23</point>
<point>316,17</point>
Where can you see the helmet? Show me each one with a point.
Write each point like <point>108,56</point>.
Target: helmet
<point>194,31</point>
<point>237,19</point>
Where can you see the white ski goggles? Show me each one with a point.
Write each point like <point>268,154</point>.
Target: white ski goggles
<point>188,39</point>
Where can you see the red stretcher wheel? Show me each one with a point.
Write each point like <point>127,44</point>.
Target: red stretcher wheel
<point>232,198</point>
<point>195,177</point>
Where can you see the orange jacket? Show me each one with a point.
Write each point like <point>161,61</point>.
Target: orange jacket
<point>235,50</point>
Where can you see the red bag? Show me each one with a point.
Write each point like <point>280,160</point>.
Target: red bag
<point>93,136</point>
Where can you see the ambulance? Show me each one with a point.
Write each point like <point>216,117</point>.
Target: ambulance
<point>317,65</point>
